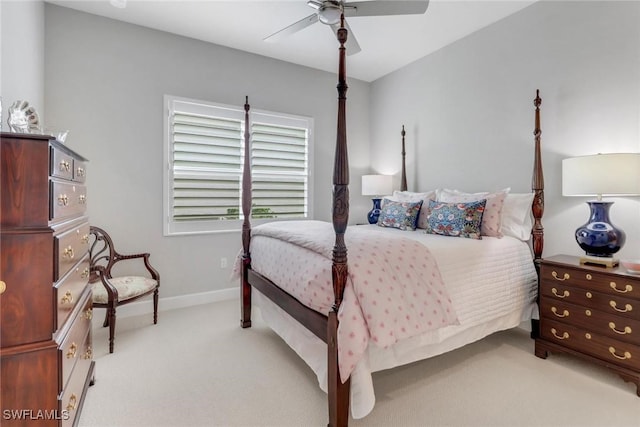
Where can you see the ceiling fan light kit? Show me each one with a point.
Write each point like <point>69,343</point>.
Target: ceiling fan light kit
<point>329,12</point>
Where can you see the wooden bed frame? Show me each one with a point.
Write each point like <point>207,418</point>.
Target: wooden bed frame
<point>323,326</point>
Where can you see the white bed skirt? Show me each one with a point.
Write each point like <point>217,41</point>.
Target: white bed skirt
<point>314,351</point>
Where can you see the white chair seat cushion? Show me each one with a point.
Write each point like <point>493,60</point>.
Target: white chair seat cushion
<point>128,287</point>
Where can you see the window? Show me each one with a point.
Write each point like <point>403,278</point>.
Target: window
<point>204,148</point>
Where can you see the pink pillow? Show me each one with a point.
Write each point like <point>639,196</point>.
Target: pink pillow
<point>492,217</point>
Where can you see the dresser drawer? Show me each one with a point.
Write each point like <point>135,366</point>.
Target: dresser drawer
<point>67,200</point>
<point>588,319</point>
<point>591,279</point>
<point>69,290</point>
<point>605,302</point>
<point>604,348</point>
<point>73,346</point>
<point>69,247</point>
<point>79,171</point>
<point>561,292</point>
<point>72,397</point>
<point>61,164</point>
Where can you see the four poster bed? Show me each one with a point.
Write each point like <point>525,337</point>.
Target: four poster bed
<point>403,296</point>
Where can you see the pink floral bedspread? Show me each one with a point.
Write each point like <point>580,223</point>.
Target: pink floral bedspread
<point>394,289</point>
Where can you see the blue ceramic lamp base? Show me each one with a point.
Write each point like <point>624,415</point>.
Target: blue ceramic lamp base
<point>599,238</point>
<point>374,213</point>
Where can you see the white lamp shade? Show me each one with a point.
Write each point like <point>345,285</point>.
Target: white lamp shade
<point>376,185</point>
<point>602,175</point>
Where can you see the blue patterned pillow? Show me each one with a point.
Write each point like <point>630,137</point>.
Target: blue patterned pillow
<point>455,219</point>
<point>402,215</point>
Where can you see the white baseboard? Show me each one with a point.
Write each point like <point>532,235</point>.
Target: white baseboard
<point>145,306</point>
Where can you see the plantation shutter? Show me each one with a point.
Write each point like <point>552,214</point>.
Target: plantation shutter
<point>206,166</point>
<point>279,169</point>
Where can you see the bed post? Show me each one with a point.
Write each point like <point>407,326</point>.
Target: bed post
<point>537,186</point>
<point>245,288</point>
<point>338,391</point>
<point>403,179</point>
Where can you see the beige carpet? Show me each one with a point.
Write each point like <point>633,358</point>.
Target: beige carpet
<point>197,367</point>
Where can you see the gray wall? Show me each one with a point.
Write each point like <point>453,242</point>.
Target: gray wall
<point>467,109</point>
<point>469,112</point>
<point>22,58</point>
<point>105,81</point>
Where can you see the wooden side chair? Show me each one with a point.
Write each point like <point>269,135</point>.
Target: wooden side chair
<point>108,291</point>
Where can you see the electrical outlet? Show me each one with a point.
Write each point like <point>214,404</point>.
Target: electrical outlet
<point>223,262</point>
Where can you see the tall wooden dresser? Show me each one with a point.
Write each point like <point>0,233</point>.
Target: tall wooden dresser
<point>46,363</point>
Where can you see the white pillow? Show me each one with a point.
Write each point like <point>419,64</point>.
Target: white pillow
<point>492,217</point>
<point>517,217</point>
<point>409,196</point>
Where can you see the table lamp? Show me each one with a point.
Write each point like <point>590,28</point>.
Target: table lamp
<point>376,185</point>
<point>600,175</point>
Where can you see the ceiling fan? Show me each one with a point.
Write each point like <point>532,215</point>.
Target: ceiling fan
<point>328,12</point>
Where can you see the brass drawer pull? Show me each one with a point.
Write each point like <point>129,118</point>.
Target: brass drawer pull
<point>85,239</point>
<point>82,199</point>
<point>627,329</point>
<point>63,200</point>
<point>68,252</point>
<point>564,293</point>
<point>627,288</point>
<point>64,166</point>
<point>88,354</point>
<point>564,336</point>
<point>88,314</point>
<point>72,351</point>
<point>625,356</point>
<point>80,171</point>
<point>627,307</point>
<point>3,287</point>
<point>73,400</point>
<point>565,276</point>
<point>85,273</point>
<point>67,298</point>
<point>565,313</point>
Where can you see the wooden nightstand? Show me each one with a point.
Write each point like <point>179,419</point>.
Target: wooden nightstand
<point>590,312</point>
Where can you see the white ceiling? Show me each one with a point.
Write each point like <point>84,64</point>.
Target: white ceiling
<point>387,42</point>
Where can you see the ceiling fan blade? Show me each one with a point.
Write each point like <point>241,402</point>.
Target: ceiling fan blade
<point>352,44</point>
<point>385,7</point>
<point>315,4</point>
<point>293,28</point>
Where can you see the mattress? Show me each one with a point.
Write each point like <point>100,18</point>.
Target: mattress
<point>492,284</point>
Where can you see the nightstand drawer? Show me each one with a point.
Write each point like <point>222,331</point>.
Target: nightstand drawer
<point>592,278</point>
<point>604,348</point>
<point>606,303</point>
<point>588,319</point>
